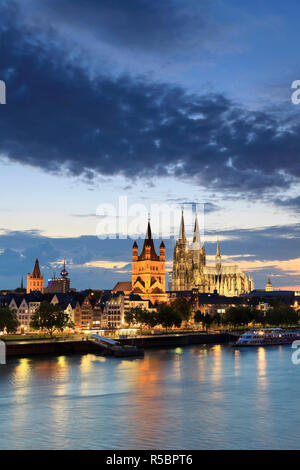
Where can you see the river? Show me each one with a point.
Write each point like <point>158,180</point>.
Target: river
<point>196,397</point>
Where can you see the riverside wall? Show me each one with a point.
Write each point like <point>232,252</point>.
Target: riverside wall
<point>35,348</point>
<point>149,342</point>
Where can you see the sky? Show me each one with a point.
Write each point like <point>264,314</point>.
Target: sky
<point>170,102</point>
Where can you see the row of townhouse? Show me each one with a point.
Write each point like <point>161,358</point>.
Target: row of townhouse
<point>117,304</point>
<point>83,309</point>
<point>108,312</point>
<point>25,305</point>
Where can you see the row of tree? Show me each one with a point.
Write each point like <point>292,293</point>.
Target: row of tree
<point>177,313</point>
<point>50,318</point>
<point>280,314</point>
<point>47,318</point>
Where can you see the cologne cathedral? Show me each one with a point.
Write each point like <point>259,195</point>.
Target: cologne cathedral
<point>190,270</point>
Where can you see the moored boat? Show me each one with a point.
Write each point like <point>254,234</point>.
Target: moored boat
<point>267,337</point>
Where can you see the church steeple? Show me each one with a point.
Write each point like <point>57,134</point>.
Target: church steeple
<point>148,270</point>
<point>148,251</point>
<point>182,235</point>
<point>196,237</point>
<point>36,270</point>
<point>218,256</point>
<point>35,281</point>
<point>148,233</point>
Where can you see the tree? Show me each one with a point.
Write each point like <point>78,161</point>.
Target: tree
<point>8,320</point>
<point>217,319</point>
<point>50,318</point>
<point>138,315</point>
<point>207,320</point>
<point>168,317</point>
<point>183,307</point>
<point>198,316</point>
<point>282,315</point>
<point>129,316</point>
<point>240,316</point>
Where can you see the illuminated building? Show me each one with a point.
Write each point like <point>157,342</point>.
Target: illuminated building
<point>190,270</point>
<point>60,284</point>
<point>35,281</point>
<point>269,286</point>
<point>148,270</point>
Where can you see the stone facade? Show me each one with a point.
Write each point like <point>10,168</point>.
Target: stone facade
<point>190,270</point>
<point>148,270</point>
<point>35,281</point>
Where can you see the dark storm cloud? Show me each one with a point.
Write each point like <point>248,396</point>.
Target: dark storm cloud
<point>58,119</point>
<point>292,203</point>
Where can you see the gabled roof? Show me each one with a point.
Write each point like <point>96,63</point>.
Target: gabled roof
<point>137,289</point>
<point>123,286</point>
<point>140,280</point>
<point>18,299</point>
<point>157,290</point>
<point>135,298</point>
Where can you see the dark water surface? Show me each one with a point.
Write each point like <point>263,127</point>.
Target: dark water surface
<point>198,397</point>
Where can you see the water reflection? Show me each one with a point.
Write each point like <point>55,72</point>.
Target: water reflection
<point>237,362</point>
<point>175,398</point>
<point>262,369</point>
<point>22,376</point>
<point>217,364</point>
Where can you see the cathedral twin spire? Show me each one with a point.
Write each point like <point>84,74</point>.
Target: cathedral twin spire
<point>196,236</point>
<point>182,235</point>
<point>196,245</point>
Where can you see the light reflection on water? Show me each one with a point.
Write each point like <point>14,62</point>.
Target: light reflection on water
<point>202,397</point>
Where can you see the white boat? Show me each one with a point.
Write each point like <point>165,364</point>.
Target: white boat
<point>267,337</point>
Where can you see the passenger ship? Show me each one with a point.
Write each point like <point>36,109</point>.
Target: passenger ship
<point>267,337</point>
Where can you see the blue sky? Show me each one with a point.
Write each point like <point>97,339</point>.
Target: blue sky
<point>164,101</point>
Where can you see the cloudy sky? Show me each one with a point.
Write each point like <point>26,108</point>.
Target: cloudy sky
<point>162,101</point>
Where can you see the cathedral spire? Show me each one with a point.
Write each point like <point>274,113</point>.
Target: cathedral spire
<point>218,248</point>
<point>182,235</point>
<point>196,237</point>
<point>218,256</point>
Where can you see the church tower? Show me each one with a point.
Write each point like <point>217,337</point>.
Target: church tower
<point>218,256</point>
<point>148,270</point>
<point>180,269</point>
<point>35,281</point>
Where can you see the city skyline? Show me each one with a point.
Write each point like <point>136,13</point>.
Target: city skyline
<point>205,117</point>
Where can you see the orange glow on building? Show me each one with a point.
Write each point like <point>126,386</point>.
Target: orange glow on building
<point>148,270</point>
<point>35,281</point>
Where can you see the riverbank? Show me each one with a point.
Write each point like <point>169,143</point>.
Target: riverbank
<point>34,348</point>
<point>149,342</point>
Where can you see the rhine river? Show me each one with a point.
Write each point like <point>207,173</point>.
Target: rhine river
<point>198,397</point>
